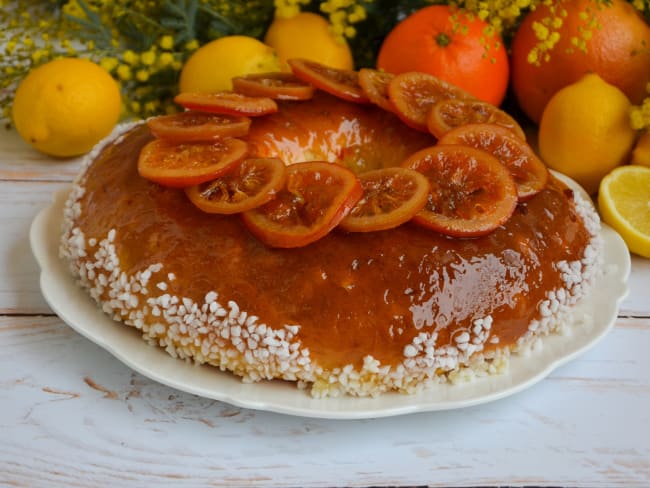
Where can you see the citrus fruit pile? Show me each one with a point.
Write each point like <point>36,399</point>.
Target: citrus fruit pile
<point>610,39</point>
<point>465,186</point>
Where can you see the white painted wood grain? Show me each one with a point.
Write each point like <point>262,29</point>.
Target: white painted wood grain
<point>18,161</point>
<point>19,204</point>
<point>637,303</point>
<point>72,415</point>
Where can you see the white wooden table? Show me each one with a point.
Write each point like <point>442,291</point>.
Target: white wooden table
<point>72,415</point>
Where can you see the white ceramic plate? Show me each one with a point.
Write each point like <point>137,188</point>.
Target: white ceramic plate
<point>75,307</point>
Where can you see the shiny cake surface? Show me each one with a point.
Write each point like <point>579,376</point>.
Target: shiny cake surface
<point>408,300</point>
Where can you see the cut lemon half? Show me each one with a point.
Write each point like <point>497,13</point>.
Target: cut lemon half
<point>624,202</point>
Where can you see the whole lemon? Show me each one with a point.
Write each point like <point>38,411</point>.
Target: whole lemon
<point>64,107</point>
<point>585,131</point>
<point>308,35</point>
<point>212,67</point>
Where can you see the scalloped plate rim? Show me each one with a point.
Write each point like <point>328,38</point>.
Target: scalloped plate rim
<point>76,308</point>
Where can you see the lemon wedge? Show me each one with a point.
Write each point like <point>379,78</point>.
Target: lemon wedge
<point>624,202</point>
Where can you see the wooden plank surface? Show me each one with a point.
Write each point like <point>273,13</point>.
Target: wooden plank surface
<point>72,415</point>
<point>19,203</point>
<point>18,161</point>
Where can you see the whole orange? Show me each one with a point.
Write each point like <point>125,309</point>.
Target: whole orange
<point>446,43</point>
<point>609,39</point>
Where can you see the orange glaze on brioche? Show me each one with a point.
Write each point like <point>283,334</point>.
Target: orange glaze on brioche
<point>360,136</point>
<point>358,313</point>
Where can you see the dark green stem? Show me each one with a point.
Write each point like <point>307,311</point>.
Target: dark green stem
<point>443,40</point>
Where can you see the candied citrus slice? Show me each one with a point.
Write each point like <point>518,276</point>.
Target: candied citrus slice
<point>391,197</point>
<point>413,94</point>
<point>374,84</point>
<point>248,185</point>
<point>278,86</point>
<point>450,113</point>
<point>227,103</point>
<point>529,172</point>
<point>186,164</point>
<point>316,197</point>
<point>471,194</point>
<point>624,203</point>
<point>342,83</point>
<point>194,126</point>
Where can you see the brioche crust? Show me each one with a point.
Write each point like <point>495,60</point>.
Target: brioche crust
<point>359,314</point>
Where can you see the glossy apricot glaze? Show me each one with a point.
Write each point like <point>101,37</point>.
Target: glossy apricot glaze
<point>353,295</point>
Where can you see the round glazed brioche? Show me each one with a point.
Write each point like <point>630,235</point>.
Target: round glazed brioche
<point>351,313</point>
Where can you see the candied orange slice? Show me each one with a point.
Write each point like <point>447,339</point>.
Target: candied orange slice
<point>227,103</point>
<point>529,172</point>
<point>413,94</point>
<point>374,84</point>
<point>248,185</point>
<point>194,126</point>
<point>471,193</point>
<point>391,197</point>
<point>187,164</point>
<point>448,114</point>
<point>342,83</point>
<point>316,197</point>
<point>278,86</point>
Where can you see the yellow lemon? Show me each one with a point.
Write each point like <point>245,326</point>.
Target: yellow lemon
<point>641,152</point>
<point>585,130</point>
<point>64,107</point>
<point>624,203</point>
<point>212,67</point>
<point>308,35</point>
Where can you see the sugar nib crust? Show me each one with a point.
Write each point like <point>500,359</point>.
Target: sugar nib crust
<point>357,314</point>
